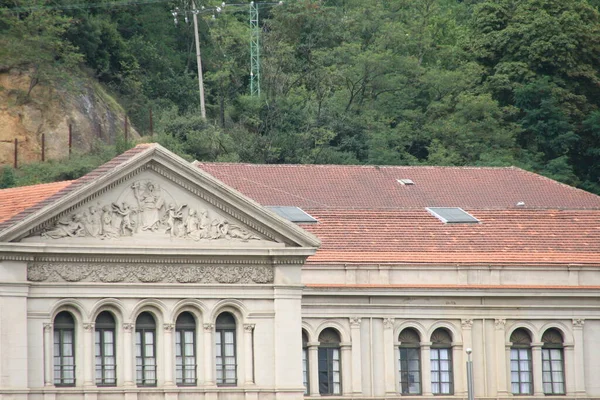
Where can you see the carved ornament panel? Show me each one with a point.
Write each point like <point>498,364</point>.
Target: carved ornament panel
<point>148,273</point>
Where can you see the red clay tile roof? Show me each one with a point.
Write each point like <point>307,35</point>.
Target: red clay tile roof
<point>15,200</point>
<point>415,236</point>
<point>371,187</point>
<point>366,216</point>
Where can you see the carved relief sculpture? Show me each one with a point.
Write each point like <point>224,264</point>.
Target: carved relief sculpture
<point>152,214</point>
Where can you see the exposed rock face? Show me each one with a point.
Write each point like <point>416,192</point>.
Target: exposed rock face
<point>48,110</point>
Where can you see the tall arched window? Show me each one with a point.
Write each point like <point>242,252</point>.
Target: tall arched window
<point>64,349</point>
<point>442,381</point>
<point>226,350</point>
<point>145,350</point>
<point>305,361</point>
<point>185,349</point>
<point>410,361</point>
<point>330,380</point>
<point>106,365</point>
<point>521,376</point>
<point>553,375</point>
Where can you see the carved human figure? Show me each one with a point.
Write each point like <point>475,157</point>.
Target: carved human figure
<point>192,225</point>
<point>150,202</point>
<point>92,221</point>
<point>126,225</point>
<point>174,217</point>
<point>108,230</point>
<point>67,228</point>
<point>234,231</point>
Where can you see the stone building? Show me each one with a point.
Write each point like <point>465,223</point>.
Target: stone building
<point>153,278</point>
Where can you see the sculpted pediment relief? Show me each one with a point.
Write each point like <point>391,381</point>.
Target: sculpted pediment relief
<point>146,209</point>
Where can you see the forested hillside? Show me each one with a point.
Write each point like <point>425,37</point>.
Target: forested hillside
<point>433,82</point>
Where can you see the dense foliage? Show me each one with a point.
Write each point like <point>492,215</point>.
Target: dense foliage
<point>437,82</point>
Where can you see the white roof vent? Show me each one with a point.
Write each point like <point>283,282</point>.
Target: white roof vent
<point>405,182</point>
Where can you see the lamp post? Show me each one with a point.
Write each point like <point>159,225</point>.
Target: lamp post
<point>470,375</point>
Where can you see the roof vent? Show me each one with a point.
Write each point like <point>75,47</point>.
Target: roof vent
<point>452,215</point>
<point>293,214</point>
<point>405,182</point>
<point>521,204</point>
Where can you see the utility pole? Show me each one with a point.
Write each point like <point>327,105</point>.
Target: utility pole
<point>254,51</point>
<point>199,61</point>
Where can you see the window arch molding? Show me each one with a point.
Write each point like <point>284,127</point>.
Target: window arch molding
<point>233,306</point>
<point>155,307</point>
<point>566,333</point>
<point>417,326</point>
<point>114,306</point>
<point>73,306</point>
<point>342,330</point>
<point>310,332</point>
<point>193,306</point>
<point>450,327</point>
<point>531,330</point>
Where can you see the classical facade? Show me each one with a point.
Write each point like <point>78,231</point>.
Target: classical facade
<point>154,278</point>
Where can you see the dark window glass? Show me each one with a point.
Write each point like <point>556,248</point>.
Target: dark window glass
<point>521,375</point>
<point>106,366</point>
<point>330,379</point>
<point>64,349</point>
<point>410,362</point>
<point>553,375</point>
<point>185,349</point>
<point>225,350</point>
<point>145,350</point>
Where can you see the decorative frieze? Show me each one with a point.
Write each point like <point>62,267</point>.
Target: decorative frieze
<point>145,208</point>
<point>148,273</point>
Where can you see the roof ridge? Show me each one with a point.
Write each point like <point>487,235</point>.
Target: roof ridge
<point>357,166</point>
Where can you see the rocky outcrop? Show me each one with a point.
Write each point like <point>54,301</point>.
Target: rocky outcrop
<point>84,105</point>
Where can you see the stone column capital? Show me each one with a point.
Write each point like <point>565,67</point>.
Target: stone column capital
<point>578,323</point>
<point>209,327</point>
<point>499,323</point>
<point>128,327</point>
<point>466,323</point>
<point>388,323</point>
<point>355,322</point>
<point>249,327</point>
<point>169,327</point>
<point>47,326</point>
<point>89,326</point>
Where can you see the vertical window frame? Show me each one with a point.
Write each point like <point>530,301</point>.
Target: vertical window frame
<point>180,346</point>
<point>553,340</point>
<point>143,366</point>
<point>520,343</point>
<point>102,367</point>
<point>305,364</point>
<point>409,350</point>
<point>221,331</point>
<point>329,346</point>
<point>59,332</point>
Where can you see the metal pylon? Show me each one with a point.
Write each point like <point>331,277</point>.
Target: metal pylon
<point>254,51</point>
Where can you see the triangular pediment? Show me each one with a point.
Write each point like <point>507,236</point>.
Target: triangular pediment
<point>153,198</point>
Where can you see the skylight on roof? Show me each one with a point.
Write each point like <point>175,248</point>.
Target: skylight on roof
<point>452,215</point>
<point>405,181</point>
<point>293,214</point>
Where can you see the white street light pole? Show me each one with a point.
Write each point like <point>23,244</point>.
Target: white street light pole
<point>199,61</point>
<point>470,375</point>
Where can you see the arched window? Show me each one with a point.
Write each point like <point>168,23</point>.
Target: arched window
<point>145,350</point>
<point>305,361</point>
<point>520,362</point>
<point>553,375</point>
<point>185,349</point>
<point>225,351</point>
<point>410,361</point>
<point>105,350</point>
<point>330,381</point>
<point>64,349</point>
<point>442,381</point>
